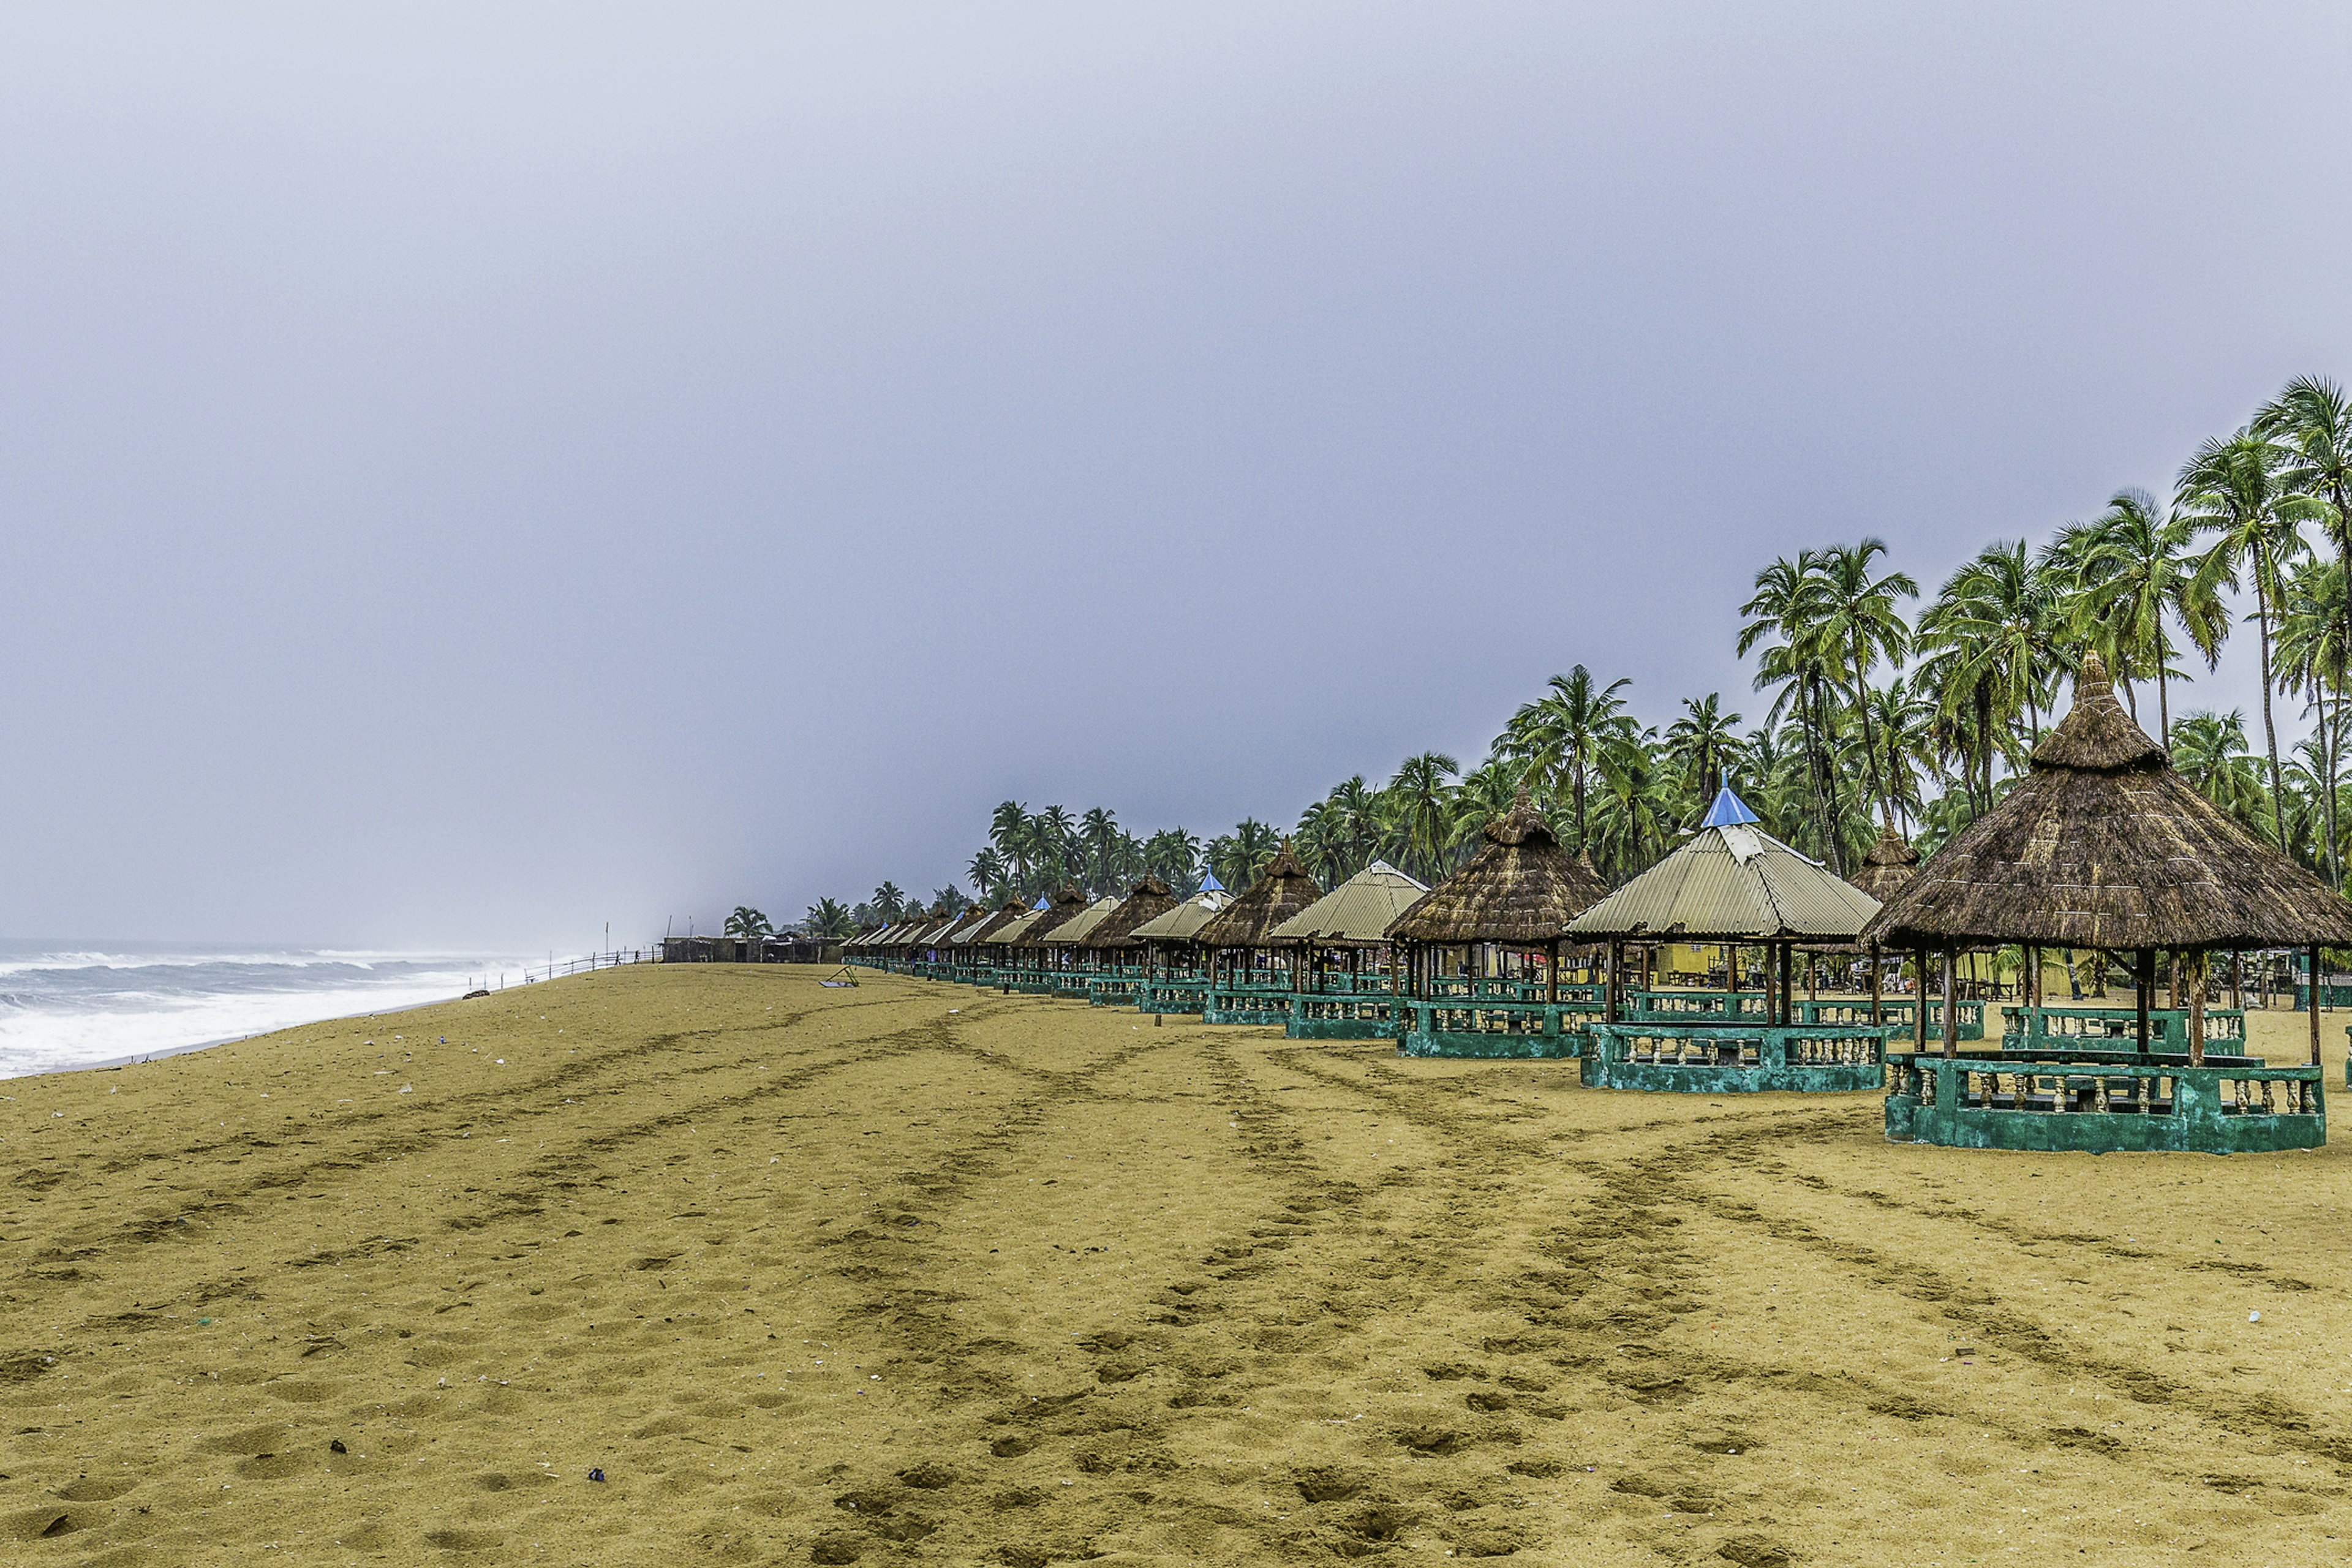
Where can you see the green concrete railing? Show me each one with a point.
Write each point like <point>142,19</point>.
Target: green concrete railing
<point>1670,1006</point>
<point>2063,1028</point>
<point>1115,986</point>
<point>2104,1106</point>
<point>1178,993</point>
<point>1453,1027</point>
<point>1342,1016</point>
<point>1733,1058</point>
<point>1489,988</point>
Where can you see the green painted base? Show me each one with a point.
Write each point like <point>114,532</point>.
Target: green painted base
<point>1841,1078</point>
<point>1340,1030</point>
<point>1495,1044</point>
<point>2169,1109</point>
<point>1250,1017</point>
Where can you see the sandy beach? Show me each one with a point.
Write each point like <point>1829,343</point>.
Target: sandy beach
<point>908,1273</point>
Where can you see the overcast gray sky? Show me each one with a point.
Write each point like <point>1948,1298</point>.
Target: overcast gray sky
<point>472,473</point>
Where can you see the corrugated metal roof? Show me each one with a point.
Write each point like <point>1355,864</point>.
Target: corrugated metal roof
<point>1079,924</point>
<point>1734,882</point>
<point>1359,910</point>
<point>1014,931</point>
<point>1180,923</point>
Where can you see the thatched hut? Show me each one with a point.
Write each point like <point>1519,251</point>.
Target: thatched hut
<point>2103,844</point>
<point>1244,985</point>
<point>1890,863</point>
<point>1513,899</point>
<point>1147,900</point>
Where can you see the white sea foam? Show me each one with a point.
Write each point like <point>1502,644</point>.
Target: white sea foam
<point>71,1005</point>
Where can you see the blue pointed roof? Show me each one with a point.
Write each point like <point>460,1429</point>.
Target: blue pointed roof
<point>1728,811</point>
<point>1043,903</point>
<point>1209,883</point>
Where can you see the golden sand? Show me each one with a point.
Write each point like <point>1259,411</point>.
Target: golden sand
<point>908,1273</point>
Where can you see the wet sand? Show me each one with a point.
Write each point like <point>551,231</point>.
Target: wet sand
<point>910,1274</point>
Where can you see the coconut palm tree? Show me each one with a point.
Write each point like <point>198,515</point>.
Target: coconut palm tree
<point>1486,793</point>
<point>1558,738</point>
<point>988,871</point>
<point>748,923</point>
<point>1420,812</point>
<point>1238,856</point>
<point>1989,647</point>
<point>1358,805</point>
<point>1703,745</point>
<point>1859,620</point>
<point>1174,856</point>
<point>889,902</point>
<point>1904,723</point>
<point>1806,670</point>
<point>828,919</point>
<point>2118,576</point>
<point>2312,659</point>
<point>2232,487</point>
<point>2210,751</point>
<point>1098,839</point>
<point>2311,421</point>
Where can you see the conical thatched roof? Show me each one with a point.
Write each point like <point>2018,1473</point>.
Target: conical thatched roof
<point>1520,887</point>
<point>1014,931</point>
<point>1148,900</point>
<point>1183,922</point>
<point>2103,844</point>
<point>1890,863</point>
<point>1281,892</point>
<point>1356,914</point>
<point>1732,881</point>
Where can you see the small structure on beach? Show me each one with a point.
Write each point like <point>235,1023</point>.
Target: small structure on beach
<point>1175,973</point>
<point>1116,956</point>
<point>1467,948</point>
<point>1356,1001</point>
<point>1734,884</point>
<point>1246,983</point>
<point>2103,845</point>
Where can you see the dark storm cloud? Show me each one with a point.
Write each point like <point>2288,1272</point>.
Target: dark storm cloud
<point>474,474</point>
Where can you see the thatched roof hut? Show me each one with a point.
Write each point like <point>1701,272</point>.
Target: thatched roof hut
<point>1183,922</point>
<point>1356,914</point>
<point>1148,900</point>
<point>1520,888</point>
<point>1060,911</point>
<point>989,922</point>
<point>1281,892</point>
<point>1732,881</point>
<point>1014,931</point>
<point>2103,844</point>
<point>1890,863</point>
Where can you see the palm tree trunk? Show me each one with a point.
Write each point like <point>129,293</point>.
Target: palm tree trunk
<point>2163,697</point>
<point>2327,746</point>
<point>1870,741</point>
<point>2270,730</point>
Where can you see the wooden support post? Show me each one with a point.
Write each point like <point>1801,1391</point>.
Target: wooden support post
<point>2143,991</point>
<point>1612,987</point>
<point>2238,981</point>
<point>2315,1007</point>
<point>1951,1010</point>
<point>1874,987</point>
<point>1551,975</point>
<point>1919,1002</point>
<point>2194,965</point>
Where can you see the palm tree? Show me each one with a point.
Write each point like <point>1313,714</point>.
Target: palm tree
<point>950,900</point>
<point>1420,811</point>
<point>1238,856</point>
<point>1174,857</point>
<point>2122,572</point>
<point>889,902</point>
<point>1010,833</point>
<point>1858,618</point>
<point>748,923</point>
<point>2311,421</point>
<point>1486,793</point>
<point>988,872</point>
<point>1703,744</point>
<point>1098,833</point>
<point>2232,488</point>
<point>828,919</point>
<point>1357,806</point>
<point>1319,842</point>
<point>2210,751</point>
<point>1904,722</point>
<point>1789,603</point>
<point>1055,834</point>
<point>1990,652</point>
<point>1562,732</point>
<point>2313,658</point>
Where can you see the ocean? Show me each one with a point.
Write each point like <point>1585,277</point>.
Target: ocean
<point>74,1005</point>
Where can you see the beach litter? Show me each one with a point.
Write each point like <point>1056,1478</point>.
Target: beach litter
<point>597,1475</point>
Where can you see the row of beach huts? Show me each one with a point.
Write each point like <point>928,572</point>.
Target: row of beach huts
<point>1526,953</point>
